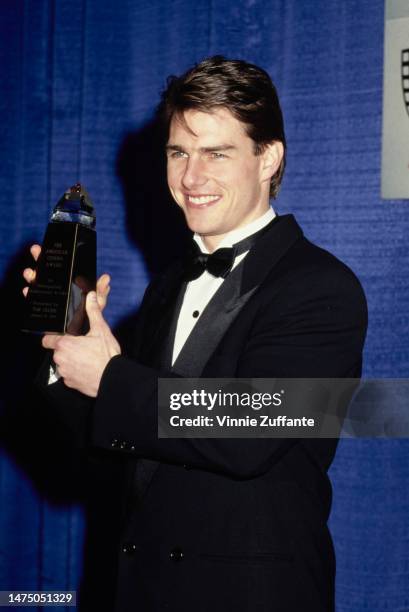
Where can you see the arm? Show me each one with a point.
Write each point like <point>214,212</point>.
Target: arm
<point>320,335</point>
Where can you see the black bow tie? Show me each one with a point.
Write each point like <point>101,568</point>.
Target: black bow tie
<point>220,262</point>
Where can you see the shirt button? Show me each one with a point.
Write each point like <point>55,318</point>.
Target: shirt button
<point>176,554</point>
<point>195,314</point>
<point>129,548</point>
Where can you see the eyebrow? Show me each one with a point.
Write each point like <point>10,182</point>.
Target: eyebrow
<point>222,147</point>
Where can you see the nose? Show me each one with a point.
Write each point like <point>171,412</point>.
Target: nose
<point>194,174</point>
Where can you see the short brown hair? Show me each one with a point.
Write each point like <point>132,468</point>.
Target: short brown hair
<point>244,89</point>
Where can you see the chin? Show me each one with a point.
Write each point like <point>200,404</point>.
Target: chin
<point>199,226</point>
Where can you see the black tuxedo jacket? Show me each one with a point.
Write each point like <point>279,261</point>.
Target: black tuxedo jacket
<point>223,524</point>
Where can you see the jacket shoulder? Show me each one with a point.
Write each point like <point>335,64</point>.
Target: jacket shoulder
<point>310,283</point>
<point>313,267</point>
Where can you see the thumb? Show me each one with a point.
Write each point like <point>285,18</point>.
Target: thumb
<point>96,320</point>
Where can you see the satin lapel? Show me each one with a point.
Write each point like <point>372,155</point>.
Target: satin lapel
<point>216,318</point>
<point>166,354</point>
<point>268,250</point>
<point>158,324</point>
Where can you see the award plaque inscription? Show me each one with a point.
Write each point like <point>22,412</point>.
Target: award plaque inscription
<point>66,268</point>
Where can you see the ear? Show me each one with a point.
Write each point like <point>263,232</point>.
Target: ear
<point>271,159</point>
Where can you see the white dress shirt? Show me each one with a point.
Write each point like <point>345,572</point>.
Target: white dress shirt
<point>200,291</point>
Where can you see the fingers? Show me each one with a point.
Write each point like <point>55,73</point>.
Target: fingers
<point>103,289</point>
<point>96,320</point>
<point>35,251</point>
<point>50,341</point>
<point>29,275</point>
<point>103,284</point>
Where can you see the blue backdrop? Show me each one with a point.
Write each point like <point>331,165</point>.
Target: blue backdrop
<point>79,81</point>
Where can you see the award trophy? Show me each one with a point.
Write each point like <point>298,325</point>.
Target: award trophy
<point>66,268</point>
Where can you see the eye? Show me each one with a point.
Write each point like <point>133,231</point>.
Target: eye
<point>177,154</point>
<point>217,155</point>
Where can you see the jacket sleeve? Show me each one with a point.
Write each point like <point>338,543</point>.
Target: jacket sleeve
<point>72,407</point>
<point>318,335</point>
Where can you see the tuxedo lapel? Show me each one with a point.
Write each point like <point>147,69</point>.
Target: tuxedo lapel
<point>165,354</point>
<point>268,250</point>
<point>159,325</point>
<point>216,318</point>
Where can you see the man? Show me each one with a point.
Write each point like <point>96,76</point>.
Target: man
<point>218,524</point>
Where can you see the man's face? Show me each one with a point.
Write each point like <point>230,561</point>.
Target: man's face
<point>214,175</point>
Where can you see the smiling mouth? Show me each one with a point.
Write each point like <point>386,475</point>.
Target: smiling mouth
<point>201,201</point>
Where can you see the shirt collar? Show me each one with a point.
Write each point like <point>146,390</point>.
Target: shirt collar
<point>241,232</point>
